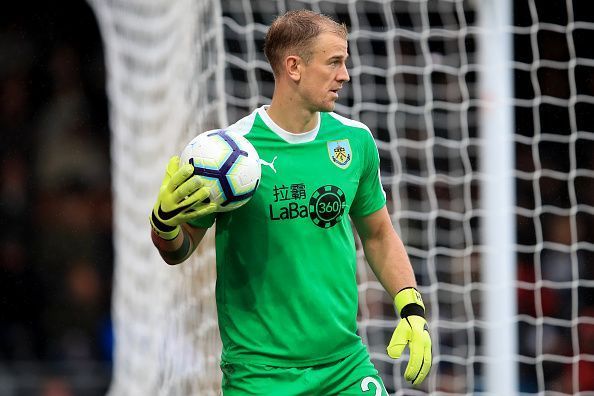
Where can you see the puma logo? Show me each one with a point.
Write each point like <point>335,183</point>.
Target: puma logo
<point>270,164</point>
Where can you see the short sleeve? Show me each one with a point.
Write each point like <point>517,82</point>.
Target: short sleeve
<point>370,196</point>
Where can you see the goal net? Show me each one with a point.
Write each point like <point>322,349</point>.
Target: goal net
<point>178,68</point>
<point>164,62</point>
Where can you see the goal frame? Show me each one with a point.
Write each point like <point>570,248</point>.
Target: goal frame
<point>498,195</point>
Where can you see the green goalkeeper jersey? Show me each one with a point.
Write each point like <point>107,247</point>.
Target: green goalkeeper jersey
<point>286,285</point>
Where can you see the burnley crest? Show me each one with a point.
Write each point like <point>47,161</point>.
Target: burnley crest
<point>340,153</point>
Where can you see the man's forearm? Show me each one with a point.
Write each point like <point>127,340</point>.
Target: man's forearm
<point>176,250</point>
<point>385,252</point>
<point>389,261</point>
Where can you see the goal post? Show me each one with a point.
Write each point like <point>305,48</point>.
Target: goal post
<point>498,196</point>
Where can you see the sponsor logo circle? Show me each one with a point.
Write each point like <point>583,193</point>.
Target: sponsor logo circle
<point>326,206</point>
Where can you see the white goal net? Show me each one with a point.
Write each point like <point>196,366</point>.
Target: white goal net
<point>164,62</point>
<point>176,68</point>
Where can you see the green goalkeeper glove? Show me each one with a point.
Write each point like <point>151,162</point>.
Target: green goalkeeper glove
<point>412,330</point>
<point>182,197</point>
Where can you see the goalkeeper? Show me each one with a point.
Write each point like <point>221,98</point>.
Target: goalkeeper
<point>286,288</point>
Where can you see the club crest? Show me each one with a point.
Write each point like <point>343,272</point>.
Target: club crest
<point>340,153</point>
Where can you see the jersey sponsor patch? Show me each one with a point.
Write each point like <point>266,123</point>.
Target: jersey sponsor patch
<point>288,202</point>
<point>325,207</point>
<point>340,153</point>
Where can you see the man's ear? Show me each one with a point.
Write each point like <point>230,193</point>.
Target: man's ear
<point>293,65</point>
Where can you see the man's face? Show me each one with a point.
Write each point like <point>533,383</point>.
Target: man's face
<point>324,75</point>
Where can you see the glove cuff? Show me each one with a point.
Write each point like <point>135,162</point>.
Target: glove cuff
<point>163,230</point>
<point>408,301</point>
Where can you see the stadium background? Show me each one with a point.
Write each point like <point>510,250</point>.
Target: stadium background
<point>56,253</point>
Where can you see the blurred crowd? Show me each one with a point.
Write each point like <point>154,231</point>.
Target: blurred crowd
<point>55,202</point>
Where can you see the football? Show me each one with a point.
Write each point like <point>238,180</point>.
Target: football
<point>228,164</point>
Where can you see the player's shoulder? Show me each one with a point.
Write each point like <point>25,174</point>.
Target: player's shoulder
<point>348,123</point>
<point>241,127</point>
<point>244,125</point>
<point>354,127</point>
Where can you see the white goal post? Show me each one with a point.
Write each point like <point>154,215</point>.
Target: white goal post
<point>480,113</point>
<point>498,229</point>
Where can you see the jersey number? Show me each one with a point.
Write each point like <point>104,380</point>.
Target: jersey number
<point>365,385</point>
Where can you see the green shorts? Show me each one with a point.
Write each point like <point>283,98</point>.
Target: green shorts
<point>353,375</point>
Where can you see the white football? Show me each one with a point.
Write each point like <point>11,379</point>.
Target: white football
<point>228,164</point>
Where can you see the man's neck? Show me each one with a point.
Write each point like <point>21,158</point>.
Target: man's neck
<point>291,117</point>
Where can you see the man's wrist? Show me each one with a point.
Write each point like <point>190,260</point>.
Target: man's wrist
<point>173,251</point>
<point>179,254</point>
<point>408,302</point>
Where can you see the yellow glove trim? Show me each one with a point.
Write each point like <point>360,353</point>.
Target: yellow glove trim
<point>163,230</point>
<point>410,295</point>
